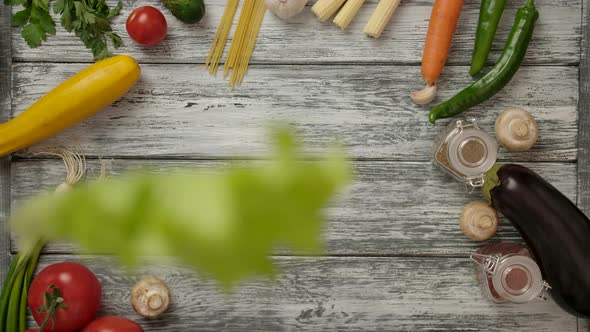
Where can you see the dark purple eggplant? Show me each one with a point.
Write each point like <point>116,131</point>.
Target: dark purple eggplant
<point>557,232</point>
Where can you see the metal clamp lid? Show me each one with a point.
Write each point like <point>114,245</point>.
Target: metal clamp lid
<point>466,152</point>
<point>499,267</point>
<point>472,152</point>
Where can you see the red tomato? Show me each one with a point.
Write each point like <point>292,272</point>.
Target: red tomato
<point>112,324</point>
<point>73,283</point>
<point>147,26</point>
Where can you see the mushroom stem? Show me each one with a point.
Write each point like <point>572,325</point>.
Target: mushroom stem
<point>516,129</point>
<point>479,221</point>
<point>482,221</point>
<point>154,301</point>
<point>520,128</point>
<point>150,297</point>
<point>424,96</point>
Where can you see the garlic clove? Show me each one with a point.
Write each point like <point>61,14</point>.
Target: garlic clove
<point>516,129</point>
<point>479,221</point>
<point>424,96</point>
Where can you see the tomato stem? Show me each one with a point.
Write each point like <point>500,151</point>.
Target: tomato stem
<point>52,301</point>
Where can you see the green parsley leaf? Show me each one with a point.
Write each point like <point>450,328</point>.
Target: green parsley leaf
<point>59,6</point>
<point>66,21</point>
<point>34,35</point>
<point>45,22</point>
<point>42,5</point>
<point>115,11</point>
<point>117,41</point>
<point>88,19</point>
<point>15,2</point>
<point>21,18</point>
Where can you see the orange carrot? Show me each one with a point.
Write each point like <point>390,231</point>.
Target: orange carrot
<point>441,29</point>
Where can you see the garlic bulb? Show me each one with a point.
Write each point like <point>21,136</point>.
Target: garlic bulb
<point>285,8</point>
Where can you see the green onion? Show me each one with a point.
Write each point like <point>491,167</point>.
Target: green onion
<point>13,299</point>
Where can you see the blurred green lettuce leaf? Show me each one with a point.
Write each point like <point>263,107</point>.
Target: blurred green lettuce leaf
<point>224,224</point>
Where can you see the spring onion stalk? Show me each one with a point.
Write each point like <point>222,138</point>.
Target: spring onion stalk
<point>13,298</point>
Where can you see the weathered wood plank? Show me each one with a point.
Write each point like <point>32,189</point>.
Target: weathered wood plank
<point>306,40</point>
<point>584,118</point>
<point>5,104</point>
<point>584,128</point>
<point>393,208</point>
<point>367,107</point>
<point>343,294</point>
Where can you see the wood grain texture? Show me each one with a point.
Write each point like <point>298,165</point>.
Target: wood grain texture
<point>349,86</point>
<point>180,111</point>
<point>584,127</point>
<point>304,39</point>
<point>584,117</point>
<point>5,107</point>
<point>331,294</point>
<point>393,208</point>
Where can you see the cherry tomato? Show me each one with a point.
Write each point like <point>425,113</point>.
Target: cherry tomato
<point>70,291</point>
<point>112,324</point>
<point>147,26</point>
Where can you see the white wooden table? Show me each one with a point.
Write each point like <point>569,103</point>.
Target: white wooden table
<point>395,259</point>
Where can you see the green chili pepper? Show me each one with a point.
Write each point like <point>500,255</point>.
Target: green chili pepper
<point>501,74</point>
<point>489,17</point>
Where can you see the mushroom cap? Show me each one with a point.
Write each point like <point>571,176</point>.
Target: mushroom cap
<point>479,221</point>
<point>150,297</point>
<point>516,129</point>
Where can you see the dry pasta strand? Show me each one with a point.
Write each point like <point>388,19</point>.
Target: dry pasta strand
<point>239,35</point>
<point>243,42</point>
<point>221,36</point>
<point>255,25</point>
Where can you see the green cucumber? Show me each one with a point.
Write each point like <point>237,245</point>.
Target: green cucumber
<point>188,11</point>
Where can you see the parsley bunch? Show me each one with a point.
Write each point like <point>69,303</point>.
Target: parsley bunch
<point>88,19</point>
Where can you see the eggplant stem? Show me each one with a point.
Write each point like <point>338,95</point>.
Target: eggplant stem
<point>491,181</point>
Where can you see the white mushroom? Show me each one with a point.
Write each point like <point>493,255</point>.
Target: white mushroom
<point>424,96</point>
<point>479,221</point>
<point>516,129</point>
<point>150,297</point>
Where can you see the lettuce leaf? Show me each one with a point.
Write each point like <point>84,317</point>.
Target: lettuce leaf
<point>224,224</point>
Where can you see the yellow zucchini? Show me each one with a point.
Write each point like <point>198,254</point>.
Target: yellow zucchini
<point>74,100</point>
